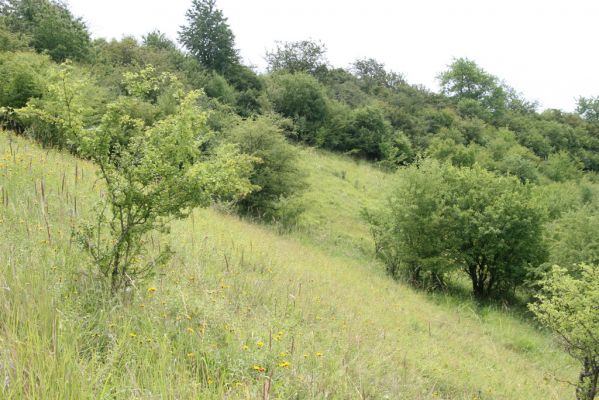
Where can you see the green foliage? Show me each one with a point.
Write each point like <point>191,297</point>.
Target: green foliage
<point>373,76</point>
<point>557,198</point>
<point>447,150</point>
<point>476,91</point>
<point>574,238</point>
<point>159,41</point>
<point>366,132</point>
<point>69,103</point>
<point>410,232</point>
<point>302,56</point>
<point>250,97</point>
<point>208,37</point>
<point>442,218</point>
<point>303,99</point>
<point>22,77</point>
<point>562,166</point>
<point>12,41</point>
<point>151,86</point>
<point>588,108</point>
<point>51,26</point>
<point>569,306</point>
<point>276,175</point>
<point>151,176</point>
<point>503,154</point>
<point>497,228</point>
<point>397,150</point>
<point>218,88</point>
<point>115,53</point>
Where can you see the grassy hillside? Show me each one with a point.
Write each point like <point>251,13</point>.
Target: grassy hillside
<point>339,188</point>
<point>240,306</point>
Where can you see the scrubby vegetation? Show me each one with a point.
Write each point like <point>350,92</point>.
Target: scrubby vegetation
<point>115,283</point>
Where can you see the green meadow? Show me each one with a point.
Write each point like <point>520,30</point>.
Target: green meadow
<point>243,310</point>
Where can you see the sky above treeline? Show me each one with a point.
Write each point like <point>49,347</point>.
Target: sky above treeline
<point>545,49</point>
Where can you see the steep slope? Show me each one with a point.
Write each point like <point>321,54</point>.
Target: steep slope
<point>240,306</point>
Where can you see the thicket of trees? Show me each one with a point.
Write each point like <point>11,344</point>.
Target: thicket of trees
<point>443,218</point>
<point>489,189</point>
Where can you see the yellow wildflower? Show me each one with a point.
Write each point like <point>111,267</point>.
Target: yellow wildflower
<point>284,364</point>
<point>258,368</point>
<point>260,344</point>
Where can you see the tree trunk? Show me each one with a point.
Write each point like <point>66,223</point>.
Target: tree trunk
<point>588,380</point>
<point>478,281</point>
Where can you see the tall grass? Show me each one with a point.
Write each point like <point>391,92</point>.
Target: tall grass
<point>241,312</point>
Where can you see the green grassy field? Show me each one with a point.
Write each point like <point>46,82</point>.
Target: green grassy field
<point>241,309</point>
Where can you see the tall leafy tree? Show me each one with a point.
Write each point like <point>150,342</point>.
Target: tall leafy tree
<point>466,82</point>
<point>372,74</point>
<point>50,25</point>
<point>302,56</point>
<point>208,36</point>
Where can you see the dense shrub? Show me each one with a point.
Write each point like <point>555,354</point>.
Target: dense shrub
<point>574,238</point>
<point>503,154</point>
<point>303,99</point>
<point>558,198</point>
<point>447,150</point>
<point>562,166</point>
<point>218,88</point>
<point>276,174</point>
<point>409,234</point>
<point>22,77</point>
<point>366,132</point>
<point>396,150</point>
<point>443,218</point>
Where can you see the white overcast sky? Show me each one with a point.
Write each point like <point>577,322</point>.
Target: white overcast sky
<point>546,49</point>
